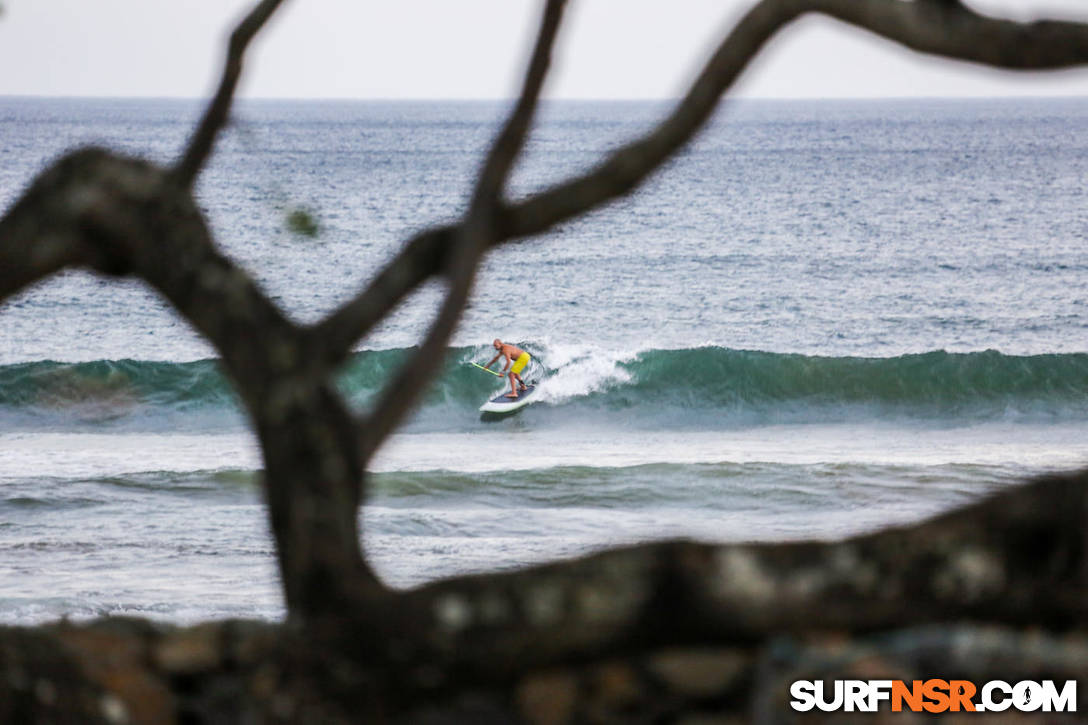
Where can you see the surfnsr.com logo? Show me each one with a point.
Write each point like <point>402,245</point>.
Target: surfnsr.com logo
<point>933,696</point>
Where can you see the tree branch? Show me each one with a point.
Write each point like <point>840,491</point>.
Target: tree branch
<point>34,240</point>
<point>938,28</point>
<point>952,30</point>
<point>121,216</point>
<point>218,111</point>
<point>425,255</point>
<point>508,145</point>
<point>1017,557</point>
<point>469,244</point>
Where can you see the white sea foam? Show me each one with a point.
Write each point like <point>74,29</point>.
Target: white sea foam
<point>578,370</point>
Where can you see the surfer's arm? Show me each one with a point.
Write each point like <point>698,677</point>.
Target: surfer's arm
<point>493,360</point>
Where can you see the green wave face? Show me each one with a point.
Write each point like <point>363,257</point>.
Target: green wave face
<point>663,385</point>
<point>719,376</point>
<point>51,384</point>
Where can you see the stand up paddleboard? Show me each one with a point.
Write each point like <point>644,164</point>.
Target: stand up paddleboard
<point>500,405</point>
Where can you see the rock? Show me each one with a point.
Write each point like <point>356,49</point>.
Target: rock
<point>189,651</point>
<point>42,682</point>
<point>547,698</point>
<point>701,673</point>
<point>114,655</point>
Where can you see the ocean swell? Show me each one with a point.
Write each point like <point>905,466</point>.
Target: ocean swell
<point>663,387</point>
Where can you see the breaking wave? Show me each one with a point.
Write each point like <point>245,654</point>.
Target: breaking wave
<point>655,387</point>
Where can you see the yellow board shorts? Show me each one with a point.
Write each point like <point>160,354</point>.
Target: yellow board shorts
<point>520,363</point>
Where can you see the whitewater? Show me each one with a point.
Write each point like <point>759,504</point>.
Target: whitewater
<point>823,318</point>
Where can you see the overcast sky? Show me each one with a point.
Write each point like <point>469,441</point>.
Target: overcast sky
<point>468,49</point>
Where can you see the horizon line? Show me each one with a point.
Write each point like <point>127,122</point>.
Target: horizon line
<point>511,99</point>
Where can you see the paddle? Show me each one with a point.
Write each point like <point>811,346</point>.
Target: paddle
<point>486,369</point>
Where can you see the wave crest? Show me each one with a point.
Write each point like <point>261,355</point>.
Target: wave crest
<point>662,385</point>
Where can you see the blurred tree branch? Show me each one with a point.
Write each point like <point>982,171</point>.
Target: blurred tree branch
<point>218,111</point>
<point>115,215</point>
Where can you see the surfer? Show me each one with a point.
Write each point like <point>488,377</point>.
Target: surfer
<point>516,360</point>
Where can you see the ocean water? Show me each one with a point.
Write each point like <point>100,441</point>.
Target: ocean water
<point>822,318</point>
